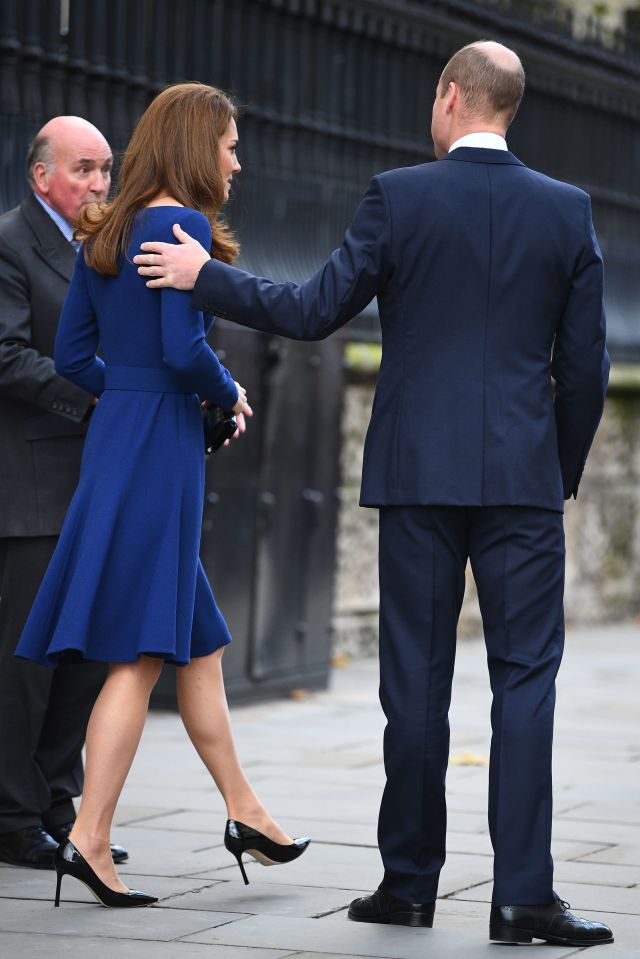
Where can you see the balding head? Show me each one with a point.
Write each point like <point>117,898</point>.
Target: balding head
<point>497,52</point>
<point>69,164</point>
<point>480,90</point>
<point>490,79</point>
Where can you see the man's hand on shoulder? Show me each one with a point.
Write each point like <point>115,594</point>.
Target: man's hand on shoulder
<point>172,264</point>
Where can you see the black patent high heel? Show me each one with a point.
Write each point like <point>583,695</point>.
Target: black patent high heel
<point>239,838</point>
<point>70,862</point>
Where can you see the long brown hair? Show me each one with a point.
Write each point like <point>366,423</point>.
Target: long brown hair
<point>174,149</point>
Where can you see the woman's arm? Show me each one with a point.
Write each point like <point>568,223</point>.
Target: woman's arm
<point>183,335</point>
<point>77,338</point>
<point>349,280</point>
<point>186,350</point>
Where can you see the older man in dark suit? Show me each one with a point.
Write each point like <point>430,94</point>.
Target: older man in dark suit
<point>490,286</point>
<point>43,713</point>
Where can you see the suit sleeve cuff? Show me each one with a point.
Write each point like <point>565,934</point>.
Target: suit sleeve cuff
<point>199,297</point>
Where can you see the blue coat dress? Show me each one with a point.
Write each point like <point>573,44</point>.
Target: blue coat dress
<point>125,579</point>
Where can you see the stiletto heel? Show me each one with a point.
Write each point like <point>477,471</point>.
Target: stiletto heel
<point>238,856</point>
<point>239,839</point>
<point>70,862</point>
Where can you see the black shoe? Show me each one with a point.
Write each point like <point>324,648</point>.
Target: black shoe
<point>239,838</point>
<point>32,847</point>
<point>381,906</point>
<point>61,834</point>
<point>553,923</point>
<point>69,862</point>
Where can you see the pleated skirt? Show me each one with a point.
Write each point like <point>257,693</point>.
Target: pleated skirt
<point>125,579</point>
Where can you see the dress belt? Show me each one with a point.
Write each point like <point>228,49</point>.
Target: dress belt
<point>144,379</point>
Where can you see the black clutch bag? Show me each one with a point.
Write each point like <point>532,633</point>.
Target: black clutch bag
<point>218,427</point>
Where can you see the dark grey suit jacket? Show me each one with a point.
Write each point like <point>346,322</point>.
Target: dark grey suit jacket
<point>41,414</point>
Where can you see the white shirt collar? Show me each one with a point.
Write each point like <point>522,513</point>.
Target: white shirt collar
<point>486,141</point>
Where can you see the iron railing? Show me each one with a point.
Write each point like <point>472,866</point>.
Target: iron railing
<point>334,92</point>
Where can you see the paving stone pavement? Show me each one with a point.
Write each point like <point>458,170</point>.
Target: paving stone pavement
<point>316,762</point>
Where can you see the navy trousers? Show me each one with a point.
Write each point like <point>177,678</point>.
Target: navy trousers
<point>517,557</point>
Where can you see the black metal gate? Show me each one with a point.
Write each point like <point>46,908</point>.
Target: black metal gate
<point>268,538</point>
<point>274,497</point>
<point>333,92</point>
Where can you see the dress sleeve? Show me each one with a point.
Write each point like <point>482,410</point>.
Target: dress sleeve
<point>183,333</point>
<point>78,337</point>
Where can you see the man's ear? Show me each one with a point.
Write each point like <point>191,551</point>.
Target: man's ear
<point>452,96</point>
<point>40,174</point>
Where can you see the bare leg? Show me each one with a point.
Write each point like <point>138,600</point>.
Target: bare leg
<point>205,714</point>
<point>113,735</point>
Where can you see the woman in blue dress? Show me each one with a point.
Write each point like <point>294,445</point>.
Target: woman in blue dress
<point>125,584</point>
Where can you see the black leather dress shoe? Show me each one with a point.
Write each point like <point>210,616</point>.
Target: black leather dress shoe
<point>553,923</point>
<point>61,834</point>
<point>32,847</point>
<point>381,906</point>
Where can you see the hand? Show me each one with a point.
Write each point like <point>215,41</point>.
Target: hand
<point>241,402</point>
<point>241,421</point>
<point>240,411</point>
<point>172,264</point>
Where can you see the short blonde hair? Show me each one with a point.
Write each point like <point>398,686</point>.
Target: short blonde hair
<point>488,89</point>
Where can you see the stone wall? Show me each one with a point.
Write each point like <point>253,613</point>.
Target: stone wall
<point>602,527</point>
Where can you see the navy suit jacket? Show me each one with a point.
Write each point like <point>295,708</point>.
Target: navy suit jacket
<point>489,282</point>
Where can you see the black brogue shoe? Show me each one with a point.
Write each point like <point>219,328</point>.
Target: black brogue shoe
<point>553,923</point>
<point>381,906</point>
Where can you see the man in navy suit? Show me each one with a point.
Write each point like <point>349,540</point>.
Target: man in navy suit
<point>490,287</point>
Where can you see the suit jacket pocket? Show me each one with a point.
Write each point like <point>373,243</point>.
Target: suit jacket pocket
<point>50,425</point>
